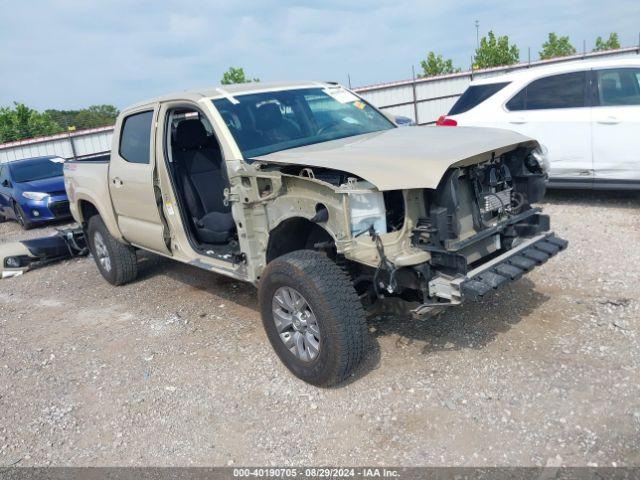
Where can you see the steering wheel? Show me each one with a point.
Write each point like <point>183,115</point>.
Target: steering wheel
<point>328,127</point>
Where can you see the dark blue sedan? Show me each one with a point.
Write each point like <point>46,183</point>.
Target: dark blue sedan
<point>32,191</point>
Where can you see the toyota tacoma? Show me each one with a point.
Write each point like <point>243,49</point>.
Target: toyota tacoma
<point>321,201</point>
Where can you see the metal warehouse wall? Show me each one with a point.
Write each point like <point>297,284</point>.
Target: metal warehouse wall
<point>425,99</point>
<point>82,143</point>
<point>422,99</point>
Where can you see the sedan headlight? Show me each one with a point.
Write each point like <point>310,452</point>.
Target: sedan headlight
<point>37,196</point>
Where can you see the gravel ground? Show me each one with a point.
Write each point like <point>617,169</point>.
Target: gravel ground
<point>175,369</point>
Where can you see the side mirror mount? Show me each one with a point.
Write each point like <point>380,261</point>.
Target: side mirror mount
<point>6,184</point>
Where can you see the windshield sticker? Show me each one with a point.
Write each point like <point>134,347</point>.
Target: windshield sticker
<point>359,104</point>
<point>340,94</point>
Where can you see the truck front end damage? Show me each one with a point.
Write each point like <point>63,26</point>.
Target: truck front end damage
<point>469,236</point>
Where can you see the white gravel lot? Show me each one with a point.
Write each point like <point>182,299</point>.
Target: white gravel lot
<point>175,369</point>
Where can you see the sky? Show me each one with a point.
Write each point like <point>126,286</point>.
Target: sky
<point>69,54</point>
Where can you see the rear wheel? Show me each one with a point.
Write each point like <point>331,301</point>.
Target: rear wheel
<point>117,262</point>
<point>313,317</point>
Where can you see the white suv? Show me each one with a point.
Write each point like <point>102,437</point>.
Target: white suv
<point>586,114</point>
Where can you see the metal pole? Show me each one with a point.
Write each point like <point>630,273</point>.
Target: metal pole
<point>529,48</point>
<point>584,48</point>
<point>349,80</point>
<point>73,146</point>
<point>477,34</point>
<point>415,96</point>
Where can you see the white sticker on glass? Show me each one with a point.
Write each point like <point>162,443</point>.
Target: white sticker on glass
<point>340,94</point>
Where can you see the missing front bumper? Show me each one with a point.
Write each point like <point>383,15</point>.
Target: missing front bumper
<point>502,269</point>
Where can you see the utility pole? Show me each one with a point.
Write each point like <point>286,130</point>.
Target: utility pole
<point>415,95</point>
<point>477,23</point>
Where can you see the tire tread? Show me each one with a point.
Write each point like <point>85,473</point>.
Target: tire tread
<point>340,299</point>
<point>123,257</point>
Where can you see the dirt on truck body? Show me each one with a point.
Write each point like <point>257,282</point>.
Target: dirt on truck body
<point>313,195</point>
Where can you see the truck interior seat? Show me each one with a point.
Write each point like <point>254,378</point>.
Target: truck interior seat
<point>273,125</point>
<point>203,183</point>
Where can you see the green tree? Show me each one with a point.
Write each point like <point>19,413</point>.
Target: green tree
<point>235,75</point>
<point>494,52</point>
<point>608,44</point>
<point>96,116</point>
<point>556,46</point>
<point>90,117</point>
<point>64,118</point>
<point>19,122</point>
<point>436,65</point>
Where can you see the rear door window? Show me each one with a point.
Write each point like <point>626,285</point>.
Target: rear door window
<point>567,90</point>
<point>618,87</point>
<point>475,95</point>
<point>135,137</point>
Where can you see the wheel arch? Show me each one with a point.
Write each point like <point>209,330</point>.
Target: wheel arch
<point>86,207</point>
<point>298,233</point>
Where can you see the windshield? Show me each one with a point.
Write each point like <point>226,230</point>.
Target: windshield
<point>266,122</point>
<point>37,169</point>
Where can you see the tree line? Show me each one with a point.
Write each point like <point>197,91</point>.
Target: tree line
<point>497,51</point>
<point>19,121</point>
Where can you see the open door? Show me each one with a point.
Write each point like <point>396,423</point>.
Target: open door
<point>132,180</point>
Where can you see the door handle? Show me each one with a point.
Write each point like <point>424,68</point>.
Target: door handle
<point>518,120</point>
<point>609,120</point>
<point>117,182</point>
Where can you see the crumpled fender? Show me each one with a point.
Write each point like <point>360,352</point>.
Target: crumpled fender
<point>18,257</point>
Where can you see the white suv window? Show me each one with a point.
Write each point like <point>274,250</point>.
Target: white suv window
<point>475,95</point>
<point>567,90</point>
<point>619,86</point>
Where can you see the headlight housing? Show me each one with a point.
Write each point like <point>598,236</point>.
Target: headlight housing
<point>541,155</point>
<point>37,196</point>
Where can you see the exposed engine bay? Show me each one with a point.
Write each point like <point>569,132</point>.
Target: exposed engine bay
<point>470,225</point>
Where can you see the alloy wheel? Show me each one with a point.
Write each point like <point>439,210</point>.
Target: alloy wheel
<point>296,323</point>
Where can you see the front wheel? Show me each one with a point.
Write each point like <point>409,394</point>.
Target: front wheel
<point>313,317</point>
<point>117,262</point>
<point>21,217</point>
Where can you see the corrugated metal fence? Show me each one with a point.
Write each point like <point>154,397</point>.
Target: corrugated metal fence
<point>421,99</point>
<point>78,144</point>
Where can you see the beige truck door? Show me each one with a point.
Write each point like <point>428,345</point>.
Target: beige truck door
<point>132,183</point>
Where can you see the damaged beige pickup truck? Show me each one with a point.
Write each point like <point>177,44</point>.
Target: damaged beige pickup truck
<point>316,197</point>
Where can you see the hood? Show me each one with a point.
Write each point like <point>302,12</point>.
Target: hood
<point>45,185</point>
<point>403,158</point>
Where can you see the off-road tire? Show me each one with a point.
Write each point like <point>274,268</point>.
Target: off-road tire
<point>123,260</point>
<point>333,300</point>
